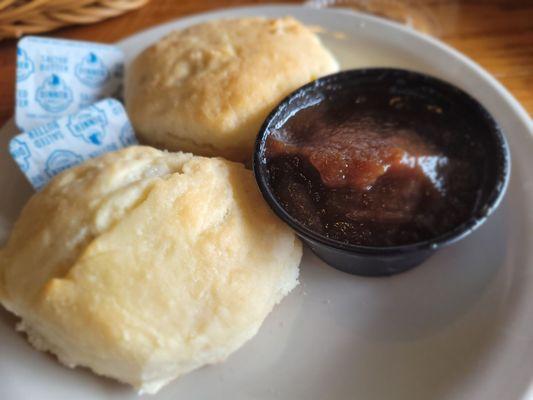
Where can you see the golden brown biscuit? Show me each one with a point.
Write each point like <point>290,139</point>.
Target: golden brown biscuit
<point>143,265</point>
<point>208,88</point>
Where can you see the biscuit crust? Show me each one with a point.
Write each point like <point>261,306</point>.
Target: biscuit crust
<point>143,265</point>
<point>208,88</point>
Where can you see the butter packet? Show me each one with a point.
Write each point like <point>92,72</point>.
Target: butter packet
<point>57,77</point>
<point>43,152</point>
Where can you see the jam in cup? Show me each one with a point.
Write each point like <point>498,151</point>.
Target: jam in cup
<point>376,169</point>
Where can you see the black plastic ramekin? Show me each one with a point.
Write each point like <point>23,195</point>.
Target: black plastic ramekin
<point>383,261</point>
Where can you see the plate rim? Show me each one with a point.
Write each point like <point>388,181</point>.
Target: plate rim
<point>465,59</point>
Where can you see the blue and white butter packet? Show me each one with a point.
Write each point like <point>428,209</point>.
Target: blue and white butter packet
<point>57,77</point>
<point>49,149</point>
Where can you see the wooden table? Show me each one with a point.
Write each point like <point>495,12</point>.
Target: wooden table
<point>498,34</point>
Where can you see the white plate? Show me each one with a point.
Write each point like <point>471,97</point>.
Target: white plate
<point>458,327</point>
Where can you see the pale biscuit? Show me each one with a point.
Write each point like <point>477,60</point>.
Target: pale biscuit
<point>143,265</point>
<point>208,88</point>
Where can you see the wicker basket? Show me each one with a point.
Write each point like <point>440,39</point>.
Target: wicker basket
<point>18,17</point>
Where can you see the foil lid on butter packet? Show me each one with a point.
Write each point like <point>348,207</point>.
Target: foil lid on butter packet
<point>57,77</point>
<point>43,152</point>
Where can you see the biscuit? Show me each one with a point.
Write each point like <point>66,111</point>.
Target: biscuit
<point>208,88</point>
<point>144,265</point>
